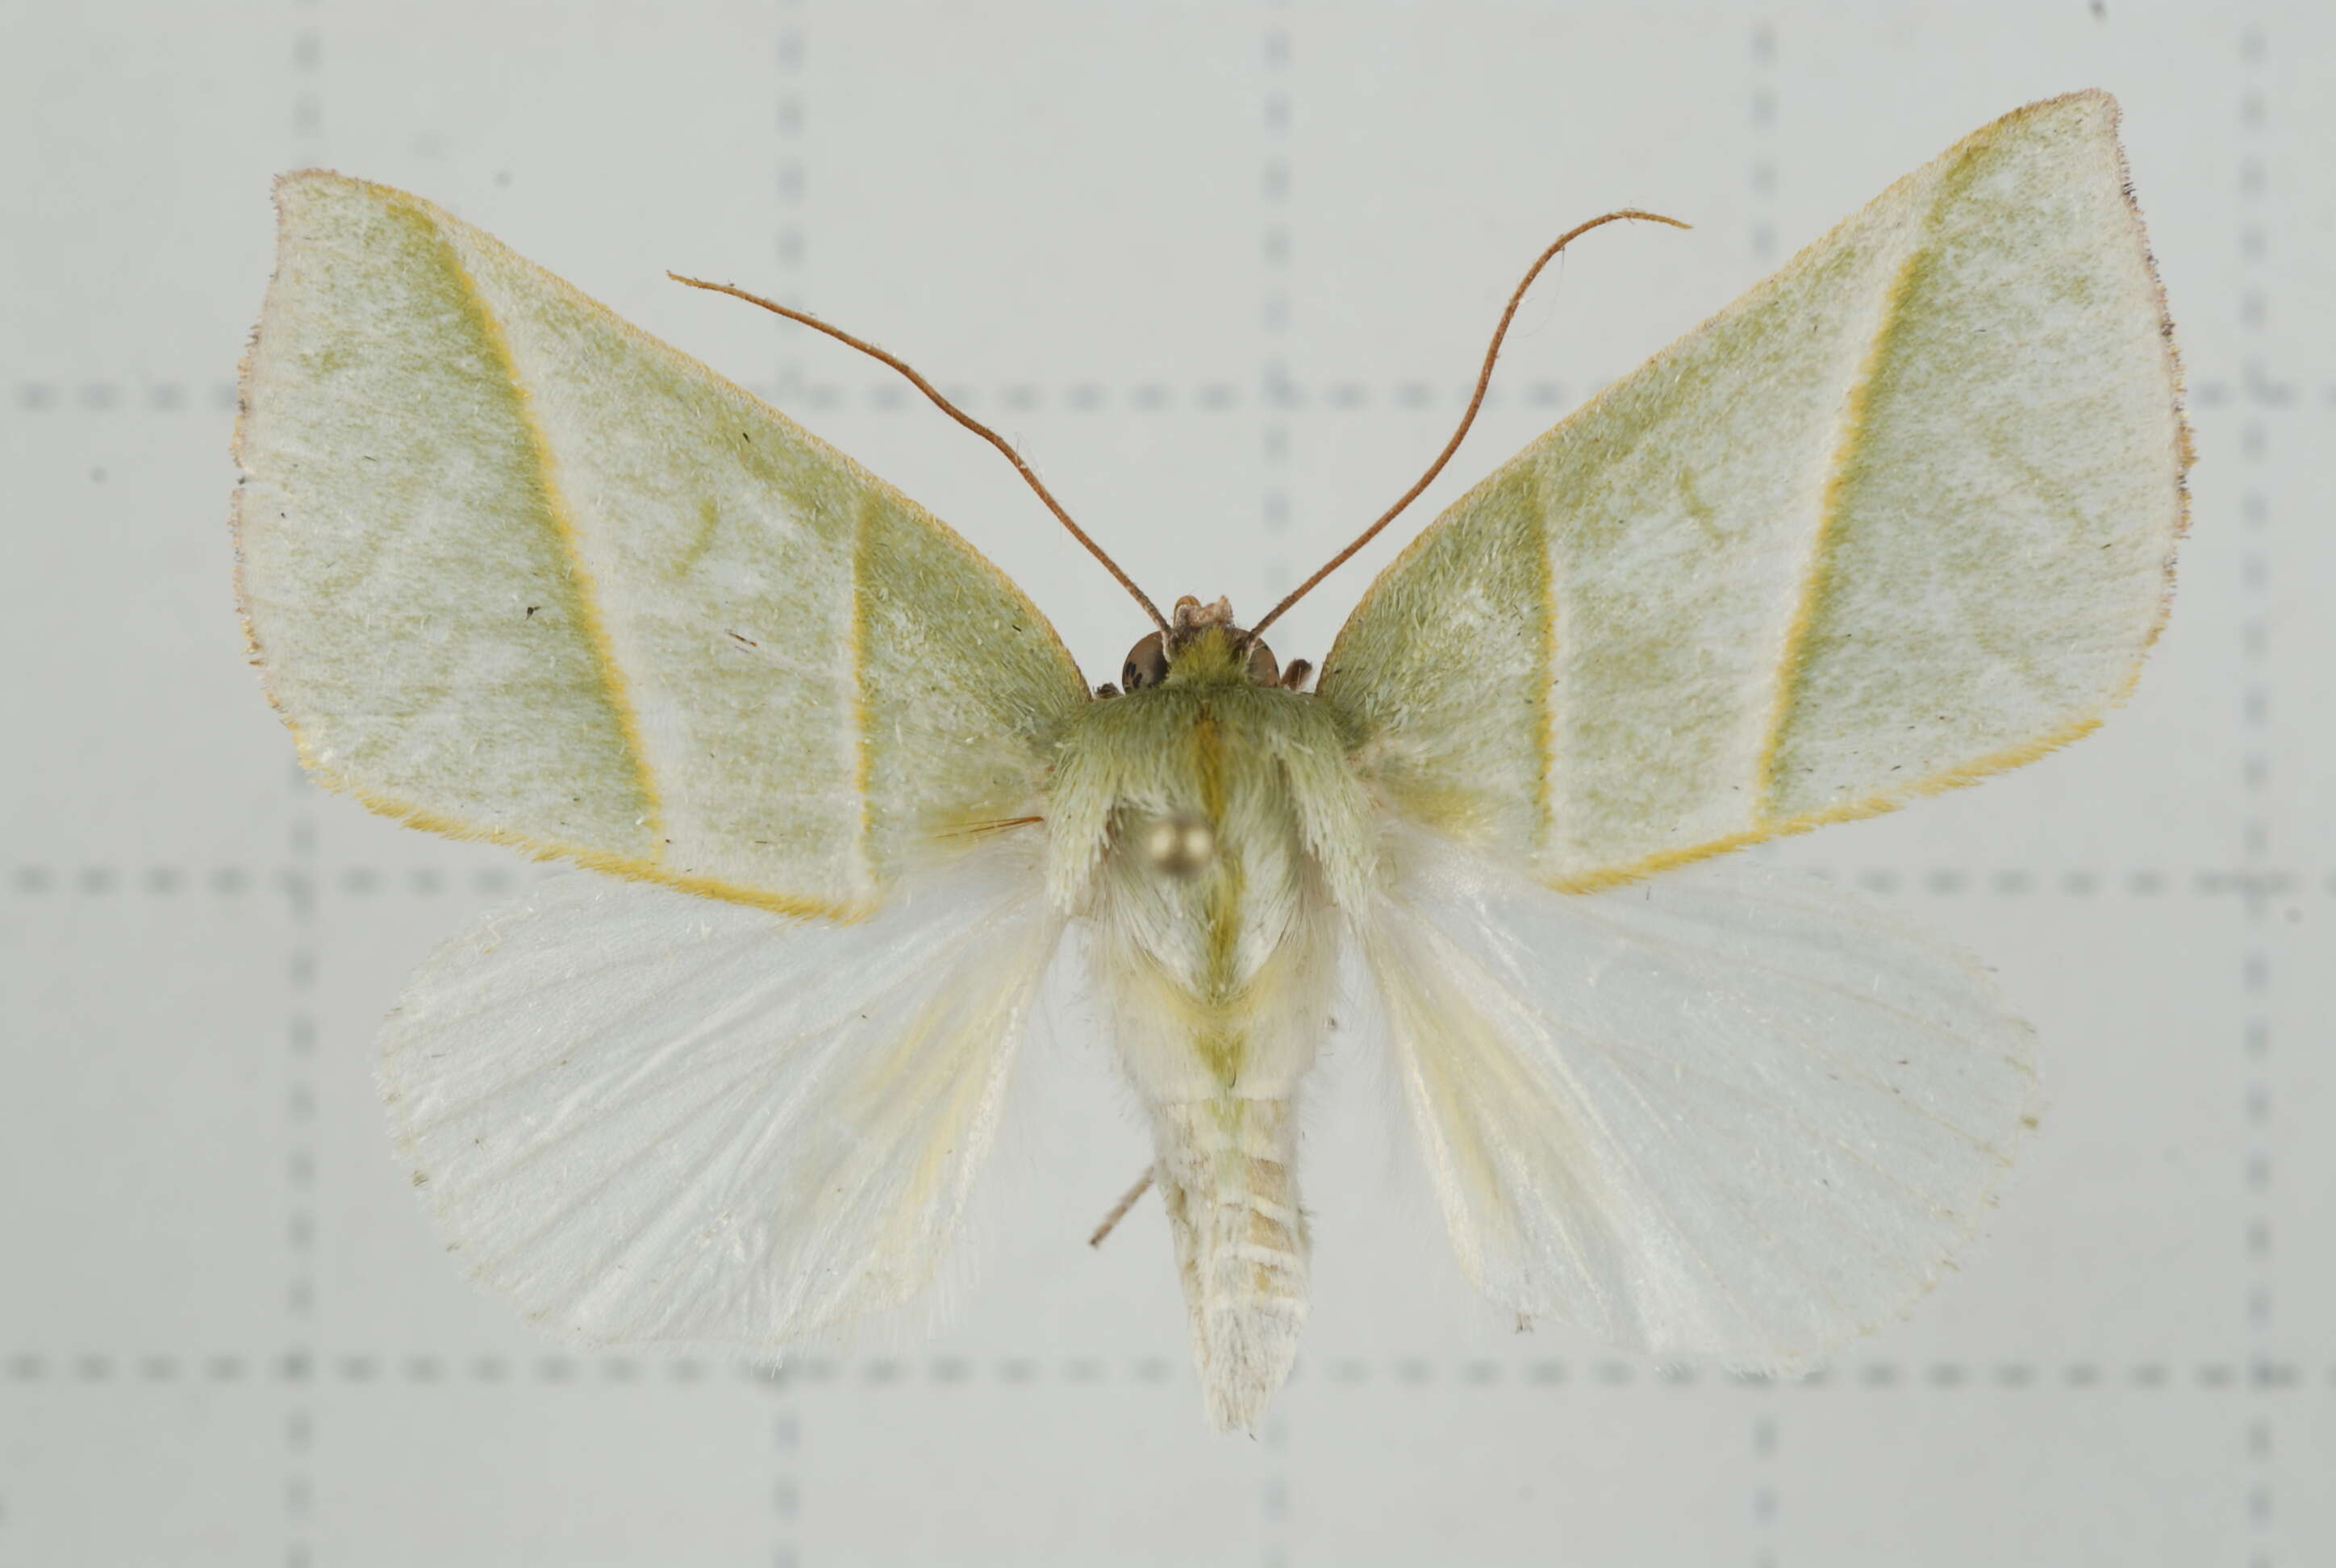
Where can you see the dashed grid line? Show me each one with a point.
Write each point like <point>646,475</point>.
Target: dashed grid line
<point>300,1090</point>
<point>303,1368</point>
<point>300,1179</point>
<point>2256,846</point>
<point>1279,391</point>
<point>1763,173</point>
<point>786,1484</point>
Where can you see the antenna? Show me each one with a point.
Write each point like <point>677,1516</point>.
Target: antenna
<point>1484,379</point>
<point>954,411</point>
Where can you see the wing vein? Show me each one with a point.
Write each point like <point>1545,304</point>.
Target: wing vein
<point>1452,1102</point>
<point>862,759</point>
<point>1545,689</point>
<point>1793,654</point>
<point>1810,1042</point>
<point>703,1041</point>
<point>1616,1047</point>
<point>564,532</point>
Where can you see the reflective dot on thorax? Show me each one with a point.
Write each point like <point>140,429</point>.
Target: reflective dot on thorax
<point>1178,846</point>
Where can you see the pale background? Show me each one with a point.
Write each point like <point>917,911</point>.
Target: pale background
<point>1224,268</point>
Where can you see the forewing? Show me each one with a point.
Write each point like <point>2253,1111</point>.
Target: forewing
<point>1903,516</point>
<point>641,1114</point>
<point>515,569</point>
<point>1728,1112</point>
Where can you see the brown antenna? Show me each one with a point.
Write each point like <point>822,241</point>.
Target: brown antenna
<point>954,411</point>
<point>1484,379</point>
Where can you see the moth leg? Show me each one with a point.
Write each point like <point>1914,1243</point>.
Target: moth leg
<point>1119,1210</point>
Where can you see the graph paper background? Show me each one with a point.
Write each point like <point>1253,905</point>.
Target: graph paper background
<point>1223,267</point>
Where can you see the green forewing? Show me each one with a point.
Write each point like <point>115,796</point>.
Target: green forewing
<point>1902,516</point>
<point>516,569</point>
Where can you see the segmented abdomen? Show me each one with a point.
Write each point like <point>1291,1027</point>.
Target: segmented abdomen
<point>1226,1171</point>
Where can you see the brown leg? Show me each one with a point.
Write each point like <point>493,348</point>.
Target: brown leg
<point>1119,1210</point>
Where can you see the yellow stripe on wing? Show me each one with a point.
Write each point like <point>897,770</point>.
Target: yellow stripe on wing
<point>587,610</point>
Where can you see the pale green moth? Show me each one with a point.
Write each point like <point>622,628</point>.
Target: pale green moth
<point>1900,517</point>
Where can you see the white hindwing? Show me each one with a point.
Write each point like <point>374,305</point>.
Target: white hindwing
<point>1727,1111</point>
<point>642,1115</point>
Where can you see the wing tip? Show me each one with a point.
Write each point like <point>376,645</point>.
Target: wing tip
<point>2106,118</point>
<point>294,185</point>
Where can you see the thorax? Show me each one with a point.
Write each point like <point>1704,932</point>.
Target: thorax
<point>1207,831</point>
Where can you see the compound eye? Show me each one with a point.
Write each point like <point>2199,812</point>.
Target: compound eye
<point>1262,668</point>
<point>1147,665</point>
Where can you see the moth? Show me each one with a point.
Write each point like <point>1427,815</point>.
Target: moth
<point>1901,517</point>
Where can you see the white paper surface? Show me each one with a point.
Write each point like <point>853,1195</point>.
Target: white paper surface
<point>1224,270</point>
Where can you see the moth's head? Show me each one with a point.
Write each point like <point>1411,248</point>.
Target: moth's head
<point>1204,644</point>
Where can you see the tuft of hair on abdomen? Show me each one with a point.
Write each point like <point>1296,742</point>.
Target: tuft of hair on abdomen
<point>1225,1169</point>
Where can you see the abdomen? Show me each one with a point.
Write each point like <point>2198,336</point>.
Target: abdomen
<point>1217,1047</point>
<point>1226,1169</point>
<point>1184,824</point>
